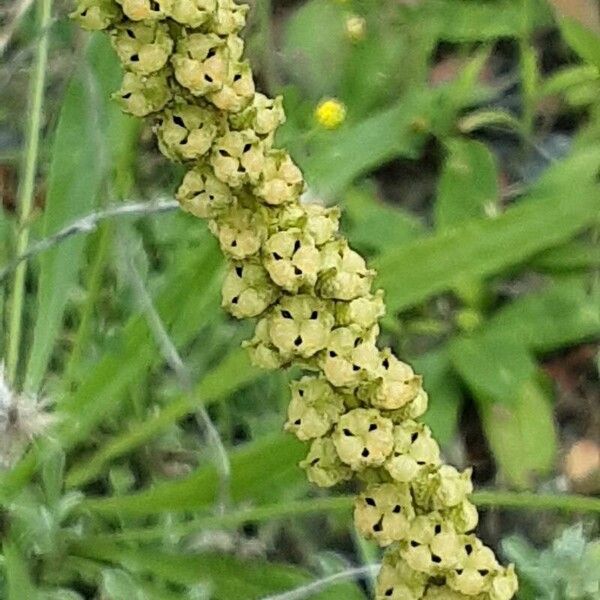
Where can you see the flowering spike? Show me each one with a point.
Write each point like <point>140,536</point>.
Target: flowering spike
<point>312,294</point>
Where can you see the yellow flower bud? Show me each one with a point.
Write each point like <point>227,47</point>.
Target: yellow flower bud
<point>330,113</point>
<point>356,28</point>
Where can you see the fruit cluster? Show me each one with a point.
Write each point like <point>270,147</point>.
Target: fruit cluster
<point>358,405</point>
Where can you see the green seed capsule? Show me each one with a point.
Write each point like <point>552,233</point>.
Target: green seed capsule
<point>345,274</point>
<point>263,354</point>
<point>413,410</point>
<point>229,17</point>
<point>186,132</point>
<point>237,90</point>
<point>241,231</point>
<point>351,356</point>
<point>432,546</point>
<point>364,312</point>
<point>314,408</point>
<point>263,115</point>
<point>192,13</point>
<point>247,290</point>
<point>203,195</point>
<point>415,451</point>
<point>280,181</point>
<point>300,325</point>
<point>145,10</point>
<point>397,581</point>
<point>463,516</point>
<point>384,513</point>
<point>504,584</point>
<point>323,466</point>
<point>143,47</point>
<point>363,438</point>
<point>443,592</point>
<point>141,95</point>
<point>318,222</point>
<point>96,14</point>
<point>201,62</point>
<point>395,383</point>
<point>237,157</point>
<point>474,569</point>
<point>292,259</point>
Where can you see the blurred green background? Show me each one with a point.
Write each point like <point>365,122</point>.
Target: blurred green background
<point>467,168</point>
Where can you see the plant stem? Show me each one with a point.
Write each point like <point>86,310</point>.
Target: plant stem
<point>534,501</point>
<point>27,186</point>
<point>328,504</point>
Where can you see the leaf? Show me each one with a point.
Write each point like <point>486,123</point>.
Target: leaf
<point>316,62</point>
<point>569,77</point>
<point>228,577</point>
<point>19,584</point>
<point>468,186</point>
<point>549,215</point>
<point>76,171</point>
<point>445,396</point>
<point>482,119</point>
<point>232,373</point>
<point>262,470</point>
<point>462,22</point>
<point>375,225</point>
<point>584,41</point>
<point>184,310</point>
<point>572,256</point>
<point>341,156</point>
<point>514,408</point>
<point>562,314</point>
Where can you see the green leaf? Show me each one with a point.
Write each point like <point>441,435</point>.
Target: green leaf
<point>229,375</point>
<point>261,471</point>
<point>482,119</point>
<point>339,157</point>
<point>316,62</point>
<point>582,40</point>
<point>569,77</point>
<point>375,225</point>
<point>562,314</point>
<point>573,256</point>
<point>473,21</point>
<point>184,310</point>
<point>19,584</point>
<point>445,396</point>
<point>514,408</point>
<point>560,205</point>
<point>77,167</point>
<point>468,186</point>
<point>227,576</point>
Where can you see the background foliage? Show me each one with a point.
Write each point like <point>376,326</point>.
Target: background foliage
<point>467,169</point>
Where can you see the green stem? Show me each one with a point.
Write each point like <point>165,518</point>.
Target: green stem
<point>535,501</point>
<point>491,498</point>
<point>27,185</point>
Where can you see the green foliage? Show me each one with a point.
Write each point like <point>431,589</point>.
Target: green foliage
<point>568,570</point>
<point>486,271</point>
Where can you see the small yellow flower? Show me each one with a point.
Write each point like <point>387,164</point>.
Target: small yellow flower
<point>330,113</point>
<point>355,27</point>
